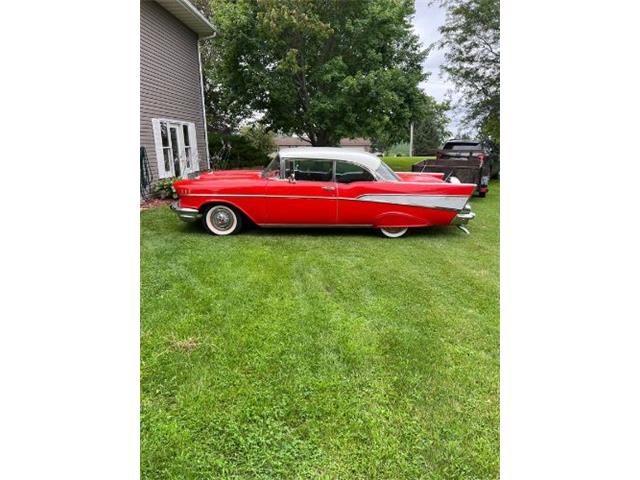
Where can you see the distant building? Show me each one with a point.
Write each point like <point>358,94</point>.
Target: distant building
<point>284,142</point>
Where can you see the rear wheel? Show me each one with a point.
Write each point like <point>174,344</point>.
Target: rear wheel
<point>221,220</point>
<point>394,232</point>
<point>482,194</point>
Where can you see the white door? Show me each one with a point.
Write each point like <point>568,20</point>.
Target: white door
<point>175,147</point>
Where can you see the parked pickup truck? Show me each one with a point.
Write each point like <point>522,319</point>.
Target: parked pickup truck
<point>470,161</point>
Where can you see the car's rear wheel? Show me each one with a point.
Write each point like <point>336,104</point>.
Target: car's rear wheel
<point>221,220</point>
<point>394,232</point>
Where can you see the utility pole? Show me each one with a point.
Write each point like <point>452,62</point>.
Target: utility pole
<point>411,140</point>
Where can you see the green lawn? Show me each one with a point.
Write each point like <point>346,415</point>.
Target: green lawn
<point>320,354</point>
<point>403,164</point>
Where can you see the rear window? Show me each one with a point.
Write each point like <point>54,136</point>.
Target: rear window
<point>348,172</point>
<point>462,146</point>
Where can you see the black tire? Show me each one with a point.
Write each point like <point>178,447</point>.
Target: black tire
<point>221,220</point>
<point>482,194</point>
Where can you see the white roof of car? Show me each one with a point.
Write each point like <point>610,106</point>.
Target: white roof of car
<point>333,153</point>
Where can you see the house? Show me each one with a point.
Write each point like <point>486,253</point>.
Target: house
<point>284,142</point>
<point>172,115</point>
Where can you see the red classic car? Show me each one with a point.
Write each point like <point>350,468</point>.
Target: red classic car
<point>317,186</point>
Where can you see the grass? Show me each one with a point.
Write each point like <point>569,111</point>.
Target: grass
<point>403,164</point>
<point>320,354</point>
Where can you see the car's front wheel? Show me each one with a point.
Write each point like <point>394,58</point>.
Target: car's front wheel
<point>221,220</point>
<point>394,232</point>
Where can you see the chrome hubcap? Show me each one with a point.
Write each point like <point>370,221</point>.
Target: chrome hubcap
<point>222,219</point>
<point>394,230</point>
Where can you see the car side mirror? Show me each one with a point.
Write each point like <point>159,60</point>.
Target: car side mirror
<point>292,178</point>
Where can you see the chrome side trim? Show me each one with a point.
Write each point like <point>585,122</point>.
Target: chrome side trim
<point>446,202</point>
<point>443,202</point>
<point>325,197</point>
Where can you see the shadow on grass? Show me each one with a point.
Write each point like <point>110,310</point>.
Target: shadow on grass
<point>196,228</point>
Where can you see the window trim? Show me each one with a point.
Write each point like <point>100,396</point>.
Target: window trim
<point>333,168</point>
<point>374,177</point>
<point>283,169</point>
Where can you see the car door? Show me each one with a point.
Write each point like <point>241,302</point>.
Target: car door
<point>305,196</point>
<point>353,181</point>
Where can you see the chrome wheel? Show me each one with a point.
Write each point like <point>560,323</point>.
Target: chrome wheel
<point>221,220</point>
<point>394,232</point>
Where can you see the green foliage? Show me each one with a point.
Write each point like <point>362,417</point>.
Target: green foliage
<point>430,130</point>
<point>223,113</point>
<point>323,70</point>
<point>260,138</point>
<point>164,188</point>
<point>398,149</point>
<point>328,354</point>
<point>235,151</point>
<point>471,38</point>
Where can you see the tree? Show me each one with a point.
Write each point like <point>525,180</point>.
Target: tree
<point>430,130</point>
<point>223,114</point>
<point>321,69</point>
<point>260,138</point>
<point>471,38</point>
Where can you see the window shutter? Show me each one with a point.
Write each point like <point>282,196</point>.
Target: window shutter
<point>195,165</point>
<point>157,139</point>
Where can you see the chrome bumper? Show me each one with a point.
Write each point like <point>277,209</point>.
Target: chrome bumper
<point>185,214</point>
<point>464,216</point>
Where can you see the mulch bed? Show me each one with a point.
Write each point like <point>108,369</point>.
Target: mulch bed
<point>155,203</point>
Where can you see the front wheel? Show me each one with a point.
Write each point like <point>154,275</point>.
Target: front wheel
<point>221,220</point>
<point>394,232</point>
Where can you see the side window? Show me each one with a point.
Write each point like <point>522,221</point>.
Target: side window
<point>310,169</point>
<point>347,172</point>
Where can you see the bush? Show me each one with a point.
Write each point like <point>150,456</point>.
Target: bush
<point>235,151</point>
<point>165,189</point>
<point>263,140</point>
<point>398,150</point>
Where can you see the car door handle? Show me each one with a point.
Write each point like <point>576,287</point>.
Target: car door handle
<point>331,189</point>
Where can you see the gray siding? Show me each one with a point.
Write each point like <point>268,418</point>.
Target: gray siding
<point>169,77</point>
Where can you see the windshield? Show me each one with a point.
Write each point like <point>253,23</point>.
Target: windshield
<point>273,169</point>
<point>385,173</point>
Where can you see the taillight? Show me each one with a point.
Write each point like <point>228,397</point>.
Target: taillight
<point>481,157</point>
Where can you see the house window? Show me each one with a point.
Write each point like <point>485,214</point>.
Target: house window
<point>166,147</point>
<point>176,147</point>
<point>187,145</point>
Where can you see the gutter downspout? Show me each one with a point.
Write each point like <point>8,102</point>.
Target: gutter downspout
<point>204,112</point>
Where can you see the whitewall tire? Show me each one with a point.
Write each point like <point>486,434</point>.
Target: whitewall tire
<point>394,232</point>
<point>221,220</point>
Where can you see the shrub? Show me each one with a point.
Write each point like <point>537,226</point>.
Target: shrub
<point>398,150</point>
<point>165,189</point>
<point>261,139</point>
<point>235,151</point>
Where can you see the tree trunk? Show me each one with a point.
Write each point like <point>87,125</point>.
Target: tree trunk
<point>322,138</point>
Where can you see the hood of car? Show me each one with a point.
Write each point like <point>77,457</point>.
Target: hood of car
<point>231,174</point>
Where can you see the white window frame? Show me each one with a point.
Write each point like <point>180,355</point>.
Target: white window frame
<point>192,148</point>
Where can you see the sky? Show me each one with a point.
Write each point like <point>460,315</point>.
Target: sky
<point>427,20</point>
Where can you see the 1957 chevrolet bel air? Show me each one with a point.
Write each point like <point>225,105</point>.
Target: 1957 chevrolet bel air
<point>324,187</point>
